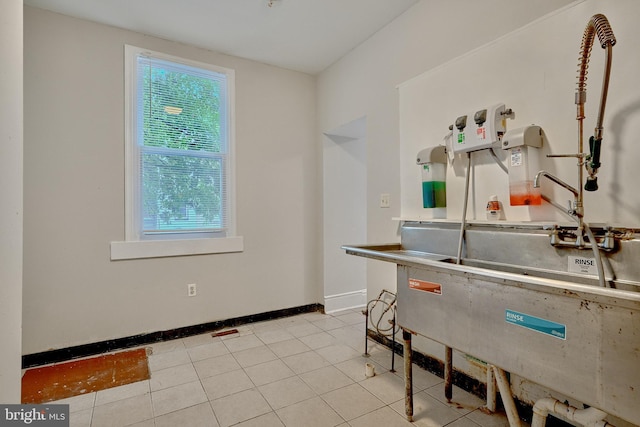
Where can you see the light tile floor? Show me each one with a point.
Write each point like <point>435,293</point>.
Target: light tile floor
<point>300,371</point>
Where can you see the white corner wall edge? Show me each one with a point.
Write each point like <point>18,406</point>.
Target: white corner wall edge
<point>169,248</point>
<point>345,301</point>
<point>12,213</point>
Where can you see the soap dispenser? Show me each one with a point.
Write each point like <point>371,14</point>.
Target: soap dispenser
<point>433,161</point>
<point>523,145</point>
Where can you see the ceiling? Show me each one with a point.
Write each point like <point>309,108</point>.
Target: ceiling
<point>301,35</point>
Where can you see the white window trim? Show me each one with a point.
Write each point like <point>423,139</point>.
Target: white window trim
<point>135,248</point>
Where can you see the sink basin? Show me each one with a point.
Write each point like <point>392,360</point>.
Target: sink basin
<point>514,301</point>
<point>397,254</point>
<point>527,271</point>
<point>522,249</point>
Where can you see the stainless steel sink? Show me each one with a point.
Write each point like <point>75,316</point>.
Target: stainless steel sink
<point>522,249</point>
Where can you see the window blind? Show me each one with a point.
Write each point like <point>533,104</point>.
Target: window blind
<point>182,140</point>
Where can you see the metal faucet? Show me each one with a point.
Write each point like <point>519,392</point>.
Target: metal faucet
<point>598,24</point>
<point>576,209</point>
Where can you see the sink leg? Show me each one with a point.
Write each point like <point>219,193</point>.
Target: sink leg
<point>408,375</point>
<point>448,373</point>
<point>393,343</point>
<point>366,336</point>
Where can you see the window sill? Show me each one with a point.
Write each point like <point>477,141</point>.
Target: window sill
<point>171,248</point>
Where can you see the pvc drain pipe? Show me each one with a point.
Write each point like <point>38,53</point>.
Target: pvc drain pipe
<point>589,417</point>
<point>491,390</point>
<point>507,397</point>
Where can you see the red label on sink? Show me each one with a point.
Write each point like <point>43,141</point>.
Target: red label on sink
<point>421,285</point>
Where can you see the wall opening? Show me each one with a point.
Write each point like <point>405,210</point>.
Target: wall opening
<point>345,214</point>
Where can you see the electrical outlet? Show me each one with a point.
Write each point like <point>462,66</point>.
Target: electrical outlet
<point>191,290</point>
<point>385,201</point>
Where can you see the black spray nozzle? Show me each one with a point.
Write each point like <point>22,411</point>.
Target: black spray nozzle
<point>593,163</point>
<point>594,157</point>
<point>591,184</point>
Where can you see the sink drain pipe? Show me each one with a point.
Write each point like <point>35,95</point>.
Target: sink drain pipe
<point>507,397</point>
<point>589,417</point>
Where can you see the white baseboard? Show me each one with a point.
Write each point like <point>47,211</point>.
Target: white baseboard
<point>345,301</point>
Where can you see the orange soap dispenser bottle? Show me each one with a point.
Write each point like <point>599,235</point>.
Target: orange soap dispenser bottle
<point>523,146</point>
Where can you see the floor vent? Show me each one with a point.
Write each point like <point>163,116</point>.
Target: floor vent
<point>223,333</point>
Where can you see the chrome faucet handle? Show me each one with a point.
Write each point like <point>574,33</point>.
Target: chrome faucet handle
<point>554,239</point>
<point>580,238</point>
<point>609,241</point>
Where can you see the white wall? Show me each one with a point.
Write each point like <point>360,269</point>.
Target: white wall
<point>11,146</point>
<point>533,71</point>
<point>364,84</point>
<point>537,78</point>
<point>74,195</point>
<point>344,163</point>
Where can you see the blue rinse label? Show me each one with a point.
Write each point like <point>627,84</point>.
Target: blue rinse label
<point>537,324</point>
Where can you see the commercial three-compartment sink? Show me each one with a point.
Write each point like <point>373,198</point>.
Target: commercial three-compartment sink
<point>515,301</point>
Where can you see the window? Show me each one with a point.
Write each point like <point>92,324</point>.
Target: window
<point>179,159</point>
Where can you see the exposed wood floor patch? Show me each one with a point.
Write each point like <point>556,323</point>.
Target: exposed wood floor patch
<point>62,380</point>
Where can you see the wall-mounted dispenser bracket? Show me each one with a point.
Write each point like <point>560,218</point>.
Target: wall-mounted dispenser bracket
<point>480,129</point>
